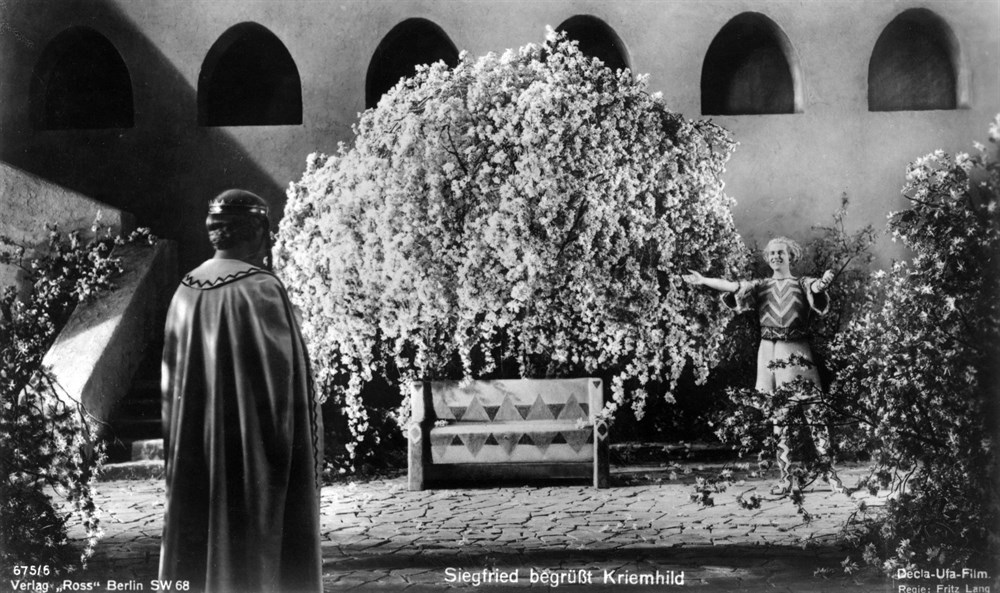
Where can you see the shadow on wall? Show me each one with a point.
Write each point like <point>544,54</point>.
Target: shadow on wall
<point>163,168</point>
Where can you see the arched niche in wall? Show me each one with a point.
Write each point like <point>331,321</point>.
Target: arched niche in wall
<point>750,68</point>
<point>597,40</point>
<point>248,78</point>
<point>916,65</point>
<point>81,82</point>
<point>412,42</point>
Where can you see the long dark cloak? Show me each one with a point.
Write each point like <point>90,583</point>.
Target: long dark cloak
<point>242,435</point>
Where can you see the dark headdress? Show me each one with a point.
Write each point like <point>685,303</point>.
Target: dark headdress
<point>239,202</point>
<point>234,216</point>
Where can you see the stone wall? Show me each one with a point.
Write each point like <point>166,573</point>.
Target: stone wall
<point>29,204</point>
<point>789,173</point>
<point>96,354</point>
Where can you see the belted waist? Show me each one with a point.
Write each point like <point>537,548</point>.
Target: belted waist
<point>785,334</point>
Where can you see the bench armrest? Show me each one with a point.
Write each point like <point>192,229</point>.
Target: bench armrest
<point>418,434</point>
<point>418,403</point>
<point>595,387</point>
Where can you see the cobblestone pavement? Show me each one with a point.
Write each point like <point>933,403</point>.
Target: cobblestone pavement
<point>378,536</point>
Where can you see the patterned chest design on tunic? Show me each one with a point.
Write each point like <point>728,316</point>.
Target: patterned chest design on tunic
<point>781,303</point>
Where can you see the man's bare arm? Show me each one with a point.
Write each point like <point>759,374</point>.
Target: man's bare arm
<point>719,284</point>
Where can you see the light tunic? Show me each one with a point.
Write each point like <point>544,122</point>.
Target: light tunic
<point>242,435</point>
<point>783,308</point>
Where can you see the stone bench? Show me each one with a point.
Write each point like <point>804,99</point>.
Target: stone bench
<point>524,428</point>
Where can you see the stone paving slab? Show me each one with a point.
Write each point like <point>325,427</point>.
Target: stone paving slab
<point>378,536</point>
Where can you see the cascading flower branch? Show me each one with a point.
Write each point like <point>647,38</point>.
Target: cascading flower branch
<point>523,214</point>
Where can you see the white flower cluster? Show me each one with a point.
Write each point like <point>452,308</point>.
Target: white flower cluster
<point>916,366</point>
<point>532,207</point>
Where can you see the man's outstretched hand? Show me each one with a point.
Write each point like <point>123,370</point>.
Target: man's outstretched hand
<point>824,282</point>
<point>693,277</point>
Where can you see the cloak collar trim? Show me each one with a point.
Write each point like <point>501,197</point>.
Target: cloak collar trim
<point>216,273</point>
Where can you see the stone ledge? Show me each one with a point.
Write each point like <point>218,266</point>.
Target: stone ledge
<point>29,203</point>
<point>148,450</point>
<point>146,469</point>
<point>96,354</point>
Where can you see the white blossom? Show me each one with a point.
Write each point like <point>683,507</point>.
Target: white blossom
<point>525,201</point>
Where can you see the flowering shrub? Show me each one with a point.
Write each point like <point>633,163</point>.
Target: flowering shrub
<point>914,374</point>
<point>803,408</point>
<point>524,214</point>
<point>917,369</point>
<point>745,420</point>
<point>45,441</point>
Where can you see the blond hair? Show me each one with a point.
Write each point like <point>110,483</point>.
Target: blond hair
<point>794,249</point>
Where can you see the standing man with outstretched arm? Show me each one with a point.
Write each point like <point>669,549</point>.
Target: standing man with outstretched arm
<point>783,304</point>
<point>242,429</point>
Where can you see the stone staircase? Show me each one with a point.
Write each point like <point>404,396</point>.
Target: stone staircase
<point>134,438</point>
<point>95,357</point>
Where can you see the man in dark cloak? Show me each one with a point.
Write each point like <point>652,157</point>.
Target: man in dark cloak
<point>242,429</point>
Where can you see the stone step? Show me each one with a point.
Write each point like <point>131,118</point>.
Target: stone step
<point>146,469</point>
<point>121,437</point>
<point>138,408</point>
<point>136,418</point>
<point>147,450</point>
<point>136,429</point>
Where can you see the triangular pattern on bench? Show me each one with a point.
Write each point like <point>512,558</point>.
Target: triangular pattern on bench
<point>505,445</point>
<point>542,440</point>
<point>508,441</point>
<point>577,439</point>
<point>572,410</point>
<point>475,442</point>
<point>508,411</point>
<point>441,442</point>
<point>470,445</point>
<point>475,412</point>
<point>539,411</point>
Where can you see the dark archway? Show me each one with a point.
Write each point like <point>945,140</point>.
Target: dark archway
<point>248,78</point>
<point>749,69</point>
<point>410,43</point>
<point>81,82</point>
<point>597,40</point>
<point>914,65</point>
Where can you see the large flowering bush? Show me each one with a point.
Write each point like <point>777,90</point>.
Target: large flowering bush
<point>913,364</point>
<point>46,442</point>
<point>726,404</point>
<point>918,369</point>
<point>745,420</point>
<point>524,214</point>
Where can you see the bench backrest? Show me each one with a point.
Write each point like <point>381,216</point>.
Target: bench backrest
<point>514,400</point>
